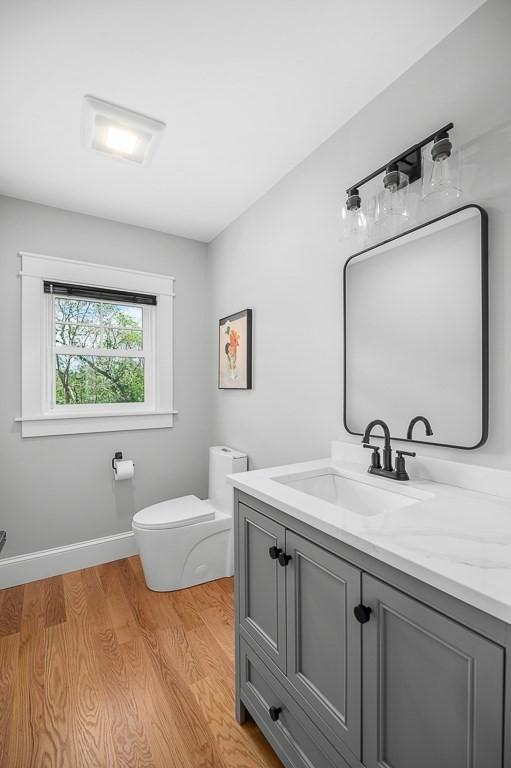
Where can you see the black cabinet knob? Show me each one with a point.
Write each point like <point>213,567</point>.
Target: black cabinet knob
<point>284,559</point>
<point>274,713</point>
<point>362,613</point>
<point>274,552</point>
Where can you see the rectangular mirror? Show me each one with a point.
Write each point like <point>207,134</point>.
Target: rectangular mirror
<point>416,332</point>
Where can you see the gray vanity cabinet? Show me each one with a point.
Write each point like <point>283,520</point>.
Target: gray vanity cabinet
<point>413,679</point>
<point>322,591</point>
<point>433,689</point>
<point>262,600</point>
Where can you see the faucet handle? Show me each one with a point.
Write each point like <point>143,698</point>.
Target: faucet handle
<point>375,458</point>
<point>401,473</point>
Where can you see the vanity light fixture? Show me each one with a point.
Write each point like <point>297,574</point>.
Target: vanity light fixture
<point>390,207</point>
<point>119,132</point>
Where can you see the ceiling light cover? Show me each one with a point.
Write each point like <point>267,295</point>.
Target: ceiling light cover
<point>119,132</point>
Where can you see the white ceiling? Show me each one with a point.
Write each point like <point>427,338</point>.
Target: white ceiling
<point>247,88</point>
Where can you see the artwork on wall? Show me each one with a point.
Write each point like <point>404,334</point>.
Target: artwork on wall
<point>235,351</point>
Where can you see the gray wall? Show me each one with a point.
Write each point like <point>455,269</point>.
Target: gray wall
<point>284,256</point>
<point>59,490</point>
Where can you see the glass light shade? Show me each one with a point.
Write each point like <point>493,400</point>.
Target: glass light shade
<point>442,180</point>
<point>354,225</point>
<point>392,210</point>
<point>354,222</point>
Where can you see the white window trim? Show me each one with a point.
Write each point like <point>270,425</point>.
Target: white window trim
<point>38,416</point>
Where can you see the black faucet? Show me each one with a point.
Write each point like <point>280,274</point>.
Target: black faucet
<point>415,421</point>
<point>387,448</point>
<point>375,468</point>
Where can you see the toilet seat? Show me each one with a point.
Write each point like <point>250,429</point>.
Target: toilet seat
<point>173,513</point>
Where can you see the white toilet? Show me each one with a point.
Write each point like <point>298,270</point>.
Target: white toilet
<point>186,541</point>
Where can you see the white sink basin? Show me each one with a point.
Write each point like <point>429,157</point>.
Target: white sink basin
<point>363,496</point>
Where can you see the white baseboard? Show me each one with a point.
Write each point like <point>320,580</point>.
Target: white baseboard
<point>53,562</point>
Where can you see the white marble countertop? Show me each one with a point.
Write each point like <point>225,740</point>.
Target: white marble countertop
<point>454,539</point>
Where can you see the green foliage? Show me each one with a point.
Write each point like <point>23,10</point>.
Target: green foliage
<point>84,379</point>
<point>89,378</point>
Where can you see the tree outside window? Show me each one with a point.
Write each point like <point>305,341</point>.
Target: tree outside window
<point>99,352</point>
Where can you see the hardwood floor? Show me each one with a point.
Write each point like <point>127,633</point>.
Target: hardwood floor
<point>96,670</point>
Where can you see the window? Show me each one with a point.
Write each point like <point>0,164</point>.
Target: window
<point>100,346</point>
<point>106,351</point>
<point>99,352</point>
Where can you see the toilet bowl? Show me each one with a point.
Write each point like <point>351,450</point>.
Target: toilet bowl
<point>187,541</point>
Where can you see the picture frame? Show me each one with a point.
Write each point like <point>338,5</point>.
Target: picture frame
<point>235,351</point>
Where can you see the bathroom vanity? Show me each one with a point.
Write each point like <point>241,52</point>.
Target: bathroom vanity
<point>374,615</point>
<point>373,623</point>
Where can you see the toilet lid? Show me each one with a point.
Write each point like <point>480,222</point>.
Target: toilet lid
<point>174,513</point>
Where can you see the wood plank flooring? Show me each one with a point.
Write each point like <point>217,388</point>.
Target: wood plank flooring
<point>98,671</point>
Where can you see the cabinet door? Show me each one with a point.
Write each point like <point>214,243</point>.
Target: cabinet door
<point>262,583</point>
<point>324,638</point>
<point>433,689</point>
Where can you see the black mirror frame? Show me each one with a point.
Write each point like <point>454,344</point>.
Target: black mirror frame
<point>484,326</point>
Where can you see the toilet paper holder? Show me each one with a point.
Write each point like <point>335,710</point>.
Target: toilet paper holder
<point>117,457</point>
<point>122,469</point>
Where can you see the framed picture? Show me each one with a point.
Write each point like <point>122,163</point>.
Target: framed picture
<point>235,351</point>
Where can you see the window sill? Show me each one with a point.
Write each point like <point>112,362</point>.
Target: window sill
<point>81,423</point>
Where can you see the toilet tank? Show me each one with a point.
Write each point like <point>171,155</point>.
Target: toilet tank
<point>222,462</point>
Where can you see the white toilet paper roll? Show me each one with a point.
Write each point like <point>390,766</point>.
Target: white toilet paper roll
<point>124,469</point>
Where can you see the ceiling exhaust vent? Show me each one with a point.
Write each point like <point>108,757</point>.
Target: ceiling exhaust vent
<point>119,132</point>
